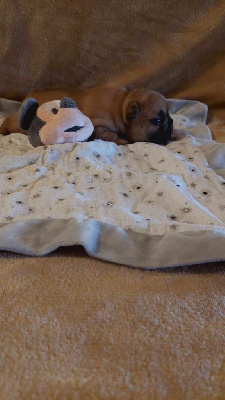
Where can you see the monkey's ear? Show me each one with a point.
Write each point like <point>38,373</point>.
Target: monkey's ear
<point>27,113</point>
<point>132,111</point>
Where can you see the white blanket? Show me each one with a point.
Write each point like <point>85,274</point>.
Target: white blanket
<point>141,188</point>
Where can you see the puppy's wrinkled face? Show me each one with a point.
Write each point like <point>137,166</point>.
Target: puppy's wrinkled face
<point>146,117</point>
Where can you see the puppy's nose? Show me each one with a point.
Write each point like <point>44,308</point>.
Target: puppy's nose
<point>66,102</point>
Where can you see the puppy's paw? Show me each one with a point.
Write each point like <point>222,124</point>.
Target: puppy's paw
<point>3,130</point>
<point>122,142</point>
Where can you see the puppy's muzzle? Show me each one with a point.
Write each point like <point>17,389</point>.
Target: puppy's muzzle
<point>163,134</point>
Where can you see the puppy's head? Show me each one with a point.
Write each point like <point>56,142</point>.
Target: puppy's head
<point>145,115</point>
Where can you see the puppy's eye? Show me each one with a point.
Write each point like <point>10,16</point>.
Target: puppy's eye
<point>156,121</point>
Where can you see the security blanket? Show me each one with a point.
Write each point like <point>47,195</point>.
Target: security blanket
<point>141,205</point>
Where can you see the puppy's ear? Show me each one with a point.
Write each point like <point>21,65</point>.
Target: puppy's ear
<point>27,113</point>
<point>132,111</point>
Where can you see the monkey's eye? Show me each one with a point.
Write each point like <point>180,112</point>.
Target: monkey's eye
<point>52,110</point>
<point>156,121</point>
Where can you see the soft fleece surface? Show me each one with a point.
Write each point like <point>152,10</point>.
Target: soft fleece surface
<point>76,328</point>
<point>120,202</point>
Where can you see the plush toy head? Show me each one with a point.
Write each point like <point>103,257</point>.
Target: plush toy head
<point>54,122</point>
